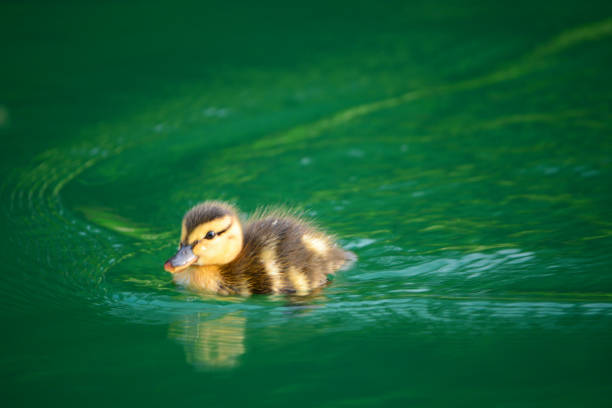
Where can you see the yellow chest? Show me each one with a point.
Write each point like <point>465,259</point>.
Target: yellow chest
<point>206,278</point>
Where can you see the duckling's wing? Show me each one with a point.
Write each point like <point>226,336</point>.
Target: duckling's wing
<point>287,255</point>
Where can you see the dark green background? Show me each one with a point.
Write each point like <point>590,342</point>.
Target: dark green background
<point>463,150</point>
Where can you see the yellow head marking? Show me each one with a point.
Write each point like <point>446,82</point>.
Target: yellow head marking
<point>216,225</point>
<point>223,247</point>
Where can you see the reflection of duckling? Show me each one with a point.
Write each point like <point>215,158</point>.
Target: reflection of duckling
<point>276,253</point>
<point>211,343</point>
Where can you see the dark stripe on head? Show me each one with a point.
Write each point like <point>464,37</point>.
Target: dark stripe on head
<point>205,212</point>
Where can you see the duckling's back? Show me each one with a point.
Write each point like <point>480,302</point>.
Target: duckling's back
<point>283,254</point>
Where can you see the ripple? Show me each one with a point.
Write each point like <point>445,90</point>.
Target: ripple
<point>68,257</point>
<point>359,243</point>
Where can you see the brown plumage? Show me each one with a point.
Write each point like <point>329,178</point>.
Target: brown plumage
<point>276,252</point>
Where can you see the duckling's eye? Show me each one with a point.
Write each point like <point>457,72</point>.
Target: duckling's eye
<point>210,235</point>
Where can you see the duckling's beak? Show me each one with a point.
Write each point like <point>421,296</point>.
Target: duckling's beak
<point>182,259</point>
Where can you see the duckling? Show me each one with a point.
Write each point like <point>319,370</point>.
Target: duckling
<point>276,252</point>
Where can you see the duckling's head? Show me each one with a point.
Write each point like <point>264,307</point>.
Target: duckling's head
<point>211,234</point>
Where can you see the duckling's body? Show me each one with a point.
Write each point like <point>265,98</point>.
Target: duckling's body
<point>275,253</point>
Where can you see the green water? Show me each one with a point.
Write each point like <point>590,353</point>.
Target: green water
<point>462,151</point>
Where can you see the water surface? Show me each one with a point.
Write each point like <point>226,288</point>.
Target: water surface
<point>462,152</point>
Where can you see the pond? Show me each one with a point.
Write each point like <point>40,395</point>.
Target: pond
<point>463,152</point>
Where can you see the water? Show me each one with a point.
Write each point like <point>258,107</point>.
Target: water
<point>462,151</point>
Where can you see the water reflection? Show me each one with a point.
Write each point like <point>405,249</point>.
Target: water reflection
<point>211,342</point>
